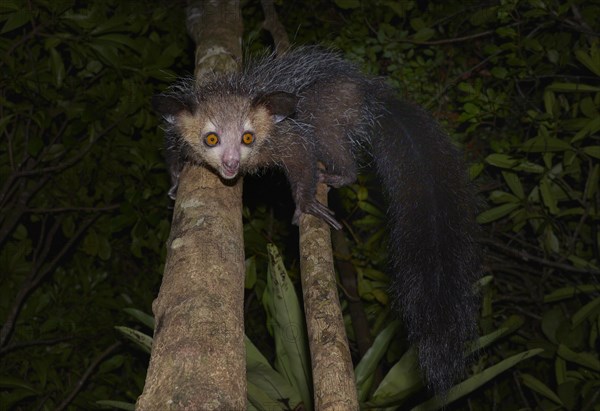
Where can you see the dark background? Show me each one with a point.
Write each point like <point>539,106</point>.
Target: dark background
<point>84,214</point>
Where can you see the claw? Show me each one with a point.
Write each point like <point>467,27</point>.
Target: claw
<point>320,211</point>
<point>173,190</point>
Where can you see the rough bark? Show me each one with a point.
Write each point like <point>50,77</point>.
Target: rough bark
<point>333,373</point>
<point>198,356</point>
<point>274,26</point>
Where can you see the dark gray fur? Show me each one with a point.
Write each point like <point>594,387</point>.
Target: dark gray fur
<point>330,111</point>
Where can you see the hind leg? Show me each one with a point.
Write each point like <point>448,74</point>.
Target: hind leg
<point>335,113</point>
<point>300,166</point>
<point>336,179</point>
<point>338,161</point>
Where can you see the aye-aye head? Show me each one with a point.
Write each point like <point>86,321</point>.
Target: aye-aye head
<point>226,131</point>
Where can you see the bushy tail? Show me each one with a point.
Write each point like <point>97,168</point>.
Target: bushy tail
<point>434,257</point>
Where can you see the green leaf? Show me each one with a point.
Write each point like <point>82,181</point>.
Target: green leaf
<point>484,15</point>
<point>572,87</point>
<point>542,145</point>
<point>14,382</point>
<point>551,323</point>
<point>584,359</point>
<point>476,381</point>
<point>347,4</point>
<point>289,332</point>
<point>582,263</point>
<point>424,34</point>
<point>119,39</point>
<point>593,151</point>
<point>496,213</point>
<point>120,405</point>
<point>592,64</point>
<point>268,386</point>
<point>251,275</point>
<point>53,152</point>
<point>529,167</point>
<point>400,382</point>
<point>475,170</point>
<point>471,108</point>
<point>508,32</point>
<point>509,326</point>
<point>509,162</point>
<point>368,364</point>
<point>369,208</point>
<point>260,400</point>
<point>501,197</point>
<point>499,72</point>
<point>140,339</point>
<point>560,370</point>
<point>57,66</point>
<point>548,195</point>
<point>591,127</point>
<point>142,317</point>
<point>362,193</point>
<point>539,387</point>
<point>550,102</point>
<point>571,292</point>
<point>13,397</point>
<point>16,20</point>
<point>551,241</point>
<point>90,243</point>
<point>588,107</point>
<point>592,182</point>
<point>106,52</point>
<point>513,182</point>
<point>590,309</point>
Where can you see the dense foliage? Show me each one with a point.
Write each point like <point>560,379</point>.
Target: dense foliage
<point>84,216</point>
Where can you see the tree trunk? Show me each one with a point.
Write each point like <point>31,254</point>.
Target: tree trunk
<point>198,356</point>
<point>333,373</point>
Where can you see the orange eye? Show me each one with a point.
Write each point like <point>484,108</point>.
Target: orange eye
<point>211,139</point>
<point>248,138</point>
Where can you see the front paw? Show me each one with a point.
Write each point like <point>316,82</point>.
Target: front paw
<point>318,210</point>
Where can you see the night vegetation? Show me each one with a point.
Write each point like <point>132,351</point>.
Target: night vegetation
<point>84,214</point>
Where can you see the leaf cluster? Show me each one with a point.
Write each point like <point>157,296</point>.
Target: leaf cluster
<point>84,216</point>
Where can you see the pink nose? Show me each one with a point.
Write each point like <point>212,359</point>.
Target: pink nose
<point>230,168</point>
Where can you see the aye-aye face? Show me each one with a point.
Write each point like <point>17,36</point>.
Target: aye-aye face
<point>226,132</point>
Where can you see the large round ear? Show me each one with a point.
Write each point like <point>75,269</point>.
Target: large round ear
<point>280,104</point>
<point>169,106</point>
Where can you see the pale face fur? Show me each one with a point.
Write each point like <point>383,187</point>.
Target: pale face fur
<point>229,118</point>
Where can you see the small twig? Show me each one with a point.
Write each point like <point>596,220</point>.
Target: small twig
<point>447,41</point>
<point>45,243</point>
<point>70,209</point>
<point>33,279</point>
<point>520,390</point>
<point>25,344</point>
<point>86,375</point>
<point>457,78</point>
<point>71,161</point>
<point>14,216</point>
<point>592,401</point>
<point>525,256</point>
<point>573,239</point>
